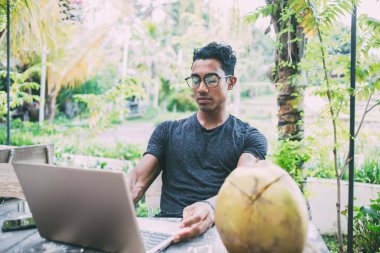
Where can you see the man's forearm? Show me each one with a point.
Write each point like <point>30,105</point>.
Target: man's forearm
<point>135,190</point>
<point>142,176</point>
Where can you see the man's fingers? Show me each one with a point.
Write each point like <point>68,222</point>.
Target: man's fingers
<point>194,218</point>
<point>188,221</point>
<point>192,231</point>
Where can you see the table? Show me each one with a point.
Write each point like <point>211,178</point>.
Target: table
<point>210,242</point>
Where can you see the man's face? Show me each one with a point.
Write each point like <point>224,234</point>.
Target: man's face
<point>210,98</point>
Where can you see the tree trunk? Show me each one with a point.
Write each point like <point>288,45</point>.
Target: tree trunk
<point>288,55</point>
<point>43,86</point>
<point>50,106</point>
<point>290,112</point>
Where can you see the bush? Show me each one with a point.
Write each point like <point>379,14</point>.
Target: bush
<point>291,155</point>
<point>22,133</point>
<point>182,101</point>
<point>369,172</point>
<point>367,227</point>
<point>122,151</point>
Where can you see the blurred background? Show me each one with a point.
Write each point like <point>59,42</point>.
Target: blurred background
<point>96,77</point>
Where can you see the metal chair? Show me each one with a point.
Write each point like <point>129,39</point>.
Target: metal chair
<point>38,154</point>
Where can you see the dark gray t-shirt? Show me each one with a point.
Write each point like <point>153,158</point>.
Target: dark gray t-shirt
<point>195,161</point>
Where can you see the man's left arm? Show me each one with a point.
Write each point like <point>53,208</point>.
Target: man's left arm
<point>199,217</point>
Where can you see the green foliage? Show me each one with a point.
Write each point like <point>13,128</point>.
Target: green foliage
<point>370,34</point>
<point>20,91</point>
<point>332,242</point>
<point>96,85</point>
<point>166,89</point>
<point>369,172</point>
<point>24,139</point>
<point>142,209</point>
<point>3,12</point>
<point>122,151</point>
<point>322,170</point>
<point>367,227</point>
<point>182,101</point>
<point>27,133</point>
<point>291,155</point>
<point>110,106</point>
<point>261,12</point>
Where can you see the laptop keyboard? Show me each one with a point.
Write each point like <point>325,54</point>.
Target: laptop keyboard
<point>151,239</point>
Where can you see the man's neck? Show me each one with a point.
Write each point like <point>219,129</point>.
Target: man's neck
<point>212,119</point>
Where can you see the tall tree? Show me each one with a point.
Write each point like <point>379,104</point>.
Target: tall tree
<point>74,47</point>
<point>290,42</point>
<point>314,19</point>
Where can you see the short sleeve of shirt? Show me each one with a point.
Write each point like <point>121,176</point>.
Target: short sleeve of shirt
<point>158,140</point>
<point>256,144</point>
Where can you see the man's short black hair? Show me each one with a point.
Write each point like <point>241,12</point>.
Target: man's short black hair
<point>218,51</point>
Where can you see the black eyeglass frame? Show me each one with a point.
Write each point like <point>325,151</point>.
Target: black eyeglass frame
<point>204,80</point>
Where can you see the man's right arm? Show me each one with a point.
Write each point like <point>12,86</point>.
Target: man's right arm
<point>141,177</point>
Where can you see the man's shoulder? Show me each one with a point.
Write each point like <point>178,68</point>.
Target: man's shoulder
<point>240,124</point>
<point>245,128</point>
<point>176,123</point>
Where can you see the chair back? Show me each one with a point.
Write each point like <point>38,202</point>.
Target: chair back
<point>38,154</point>
<point>41,153</point>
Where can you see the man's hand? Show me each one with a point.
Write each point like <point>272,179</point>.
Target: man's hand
<point>197,219</point>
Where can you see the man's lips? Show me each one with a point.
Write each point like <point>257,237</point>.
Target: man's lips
<point>203,99</point>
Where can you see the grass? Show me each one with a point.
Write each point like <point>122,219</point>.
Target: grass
<point>332,242</point>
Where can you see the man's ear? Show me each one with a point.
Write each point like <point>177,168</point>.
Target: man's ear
<point>231,82</point>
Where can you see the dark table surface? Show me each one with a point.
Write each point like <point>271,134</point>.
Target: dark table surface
<point>30,240</point>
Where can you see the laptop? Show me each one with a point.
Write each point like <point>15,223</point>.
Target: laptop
<point>89,208</point>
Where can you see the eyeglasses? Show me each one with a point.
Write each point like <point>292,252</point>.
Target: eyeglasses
<point>211,80</point>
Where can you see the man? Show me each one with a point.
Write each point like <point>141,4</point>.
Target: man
<point>196,154</point>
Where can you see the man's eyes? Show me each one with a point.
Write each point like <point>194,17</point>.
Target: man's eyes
<point>211,79</point>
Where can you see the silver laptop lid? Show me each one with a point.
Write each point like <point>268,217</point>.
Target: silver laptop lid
<point>89,208</point>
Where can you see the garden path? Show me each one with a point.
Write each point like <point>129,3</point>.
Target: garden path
<point>136,133</point>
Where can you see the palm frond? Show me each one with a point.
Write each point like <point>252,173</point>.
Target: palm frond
<point>263,11</point>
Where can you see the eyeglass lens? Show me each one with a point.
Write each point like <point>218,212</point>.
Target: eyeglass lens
<point>210,80</point>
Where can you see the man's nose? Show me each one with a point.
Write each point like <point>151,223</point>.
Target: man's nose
<point>202,87</point>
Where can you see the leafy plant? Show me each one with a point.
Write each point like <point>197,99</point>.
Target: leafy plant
<point>332,242</point>
<point>291,155</point>
<point>106,108</point>
<point>369,172</point>
<point>329,69</point>
<point>20,91</point>
<point>182,101</point>
<point>142,209</point>
<point>367,227</point>
<point>121,151</point>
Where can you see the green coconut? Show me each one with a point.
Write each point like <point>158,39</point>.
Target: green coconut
<point>261,210</point>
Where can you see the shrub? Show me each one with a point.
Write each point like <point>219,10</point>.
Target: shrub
<point>291,155</point>
<point>182,101</point>
<point>367,227</point>
<point>369,172</point>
